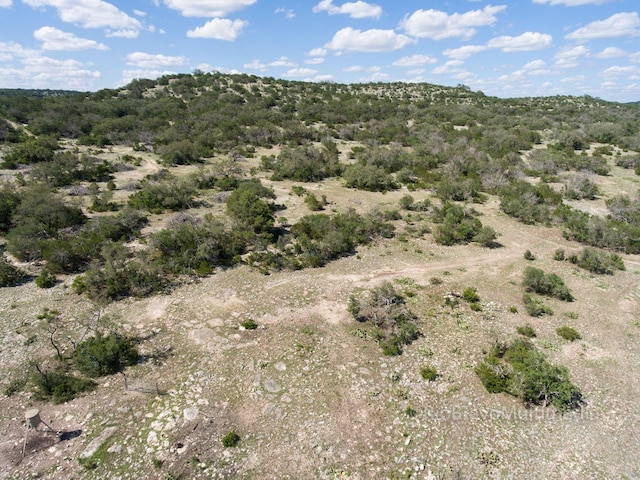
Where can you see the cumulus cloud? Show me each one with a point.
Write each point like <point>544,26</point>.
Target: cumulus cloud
<point>219,29</point>
<point>300,72</point>
<point>26,68</point>
<point>438,25</point>
<point>255,65</point>
<point>207,8</point>
<point>629,71</point>
<point>282,62</point>
<point>93,14</point>
<point>570,57</point>
<point>414,61</point>
<point>528,41</point>
<point>317,52</point>
<point>610,52</point>
<point>464,52</point>
<point>625,24</point>
<point>357,9</point>
<point>314,61</point>
<point>149,60</point>
<point>368,41</point>
<point>54,39</point>
<point>5,3</point>
<point>288,13</point>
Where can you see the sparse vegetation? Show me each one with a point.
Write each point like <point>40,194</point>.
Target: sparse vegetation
<point>519,369</point>
<point>568,333</point>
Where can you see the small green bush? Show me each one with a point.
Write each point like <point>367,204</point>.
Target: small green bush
<point>429,373</point>
<point>59,386</point>
<point>559,255</point>
<point>527,331</point>
<point>568,333</point>
<point>535,280</point>
<point>521,370</point>
<point>471,295</point>
<point>10,275</point>
<point>529,256</point>
<point>100,355</point>
<point>535,307</point>
<point>231,439</point>
<point>249,324</point>
<point>46,279</point>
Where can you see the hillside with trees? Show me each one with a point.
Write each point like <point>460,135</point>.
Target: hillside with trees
<point>345,274</point>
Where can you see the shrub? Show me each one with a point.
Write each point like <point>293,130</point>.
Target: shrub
<point>249,324</point>
<point>535,307</point>
<point>230,439</point>
<point>160,196</point>
<point>100,355</point>
<point>521,370</point>
<point>529,256</point>
<point>535,280</point>
<point>597,261</point>
<point>46,279</point>
<point>559,255</point>
<point>471,295</point>
<point>10,275</point>
<point>456,226</point>
<point>393,323</point>
<point>429,373</point>
<point>368,177</point>
<point>568,333</point>
<point>527,331</point>
<point>313,203</point>
<point>59,386</point>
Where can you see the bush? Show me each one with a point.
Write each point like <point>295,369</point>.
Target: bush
<point>100,355</point>
<point>526,331</point>
<point>559,255</point>
<point>249,324</point>
<point>369,178</point>
<point>568,333</point>
<point>10,275</point>
<point>529,256</point>
<point>160,196</point>
<point>535,280</point>
<point>521,370</point>
<point>393,323</point>
<point>456,225</point>
<point>597,261</point>
<point>46,279</point>
<point>471,295</point>
<point>535,307</point>
<point>230,439</point>
<point>429,373</point>
<point>59,386</point>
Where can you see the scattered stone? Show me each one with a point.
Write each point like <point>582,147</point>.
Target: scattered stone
<point>271,386</point>
<point>97,442</point>
<point>191,413</point>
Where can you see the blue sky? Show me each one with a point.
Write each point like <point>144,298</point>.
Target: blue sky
<point>508,49</point>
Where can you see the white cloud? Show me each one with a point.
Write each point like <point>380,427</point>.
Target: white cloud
<point>528,41</point>
<point>534,65</point>
<point>627,71</point>
<point>314,61</point>
<point>288,13</point>
<point>140,13</point>
<point>610,52</point>
<point>414,61</point>
<point>207,8</point>
<point>255,65</point>
<point>355,68</point>
<point>282,62</point>
<point>376,76</point>
<point>219,29</point>
<point>32,70</point>
<point>93,14</point>
<point>570,57</point>
<point>624,24</point>
<point>571,3</point>
<point>464,52</point>
<point>438,25</point>
<point>5,3</point>
<point>54,39</point>
<point>300,72</point>
<point>148,60</point>
<point>368,41</point>
<point>317,52</point>
<point>129,75</point>
<point>357,9</point>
